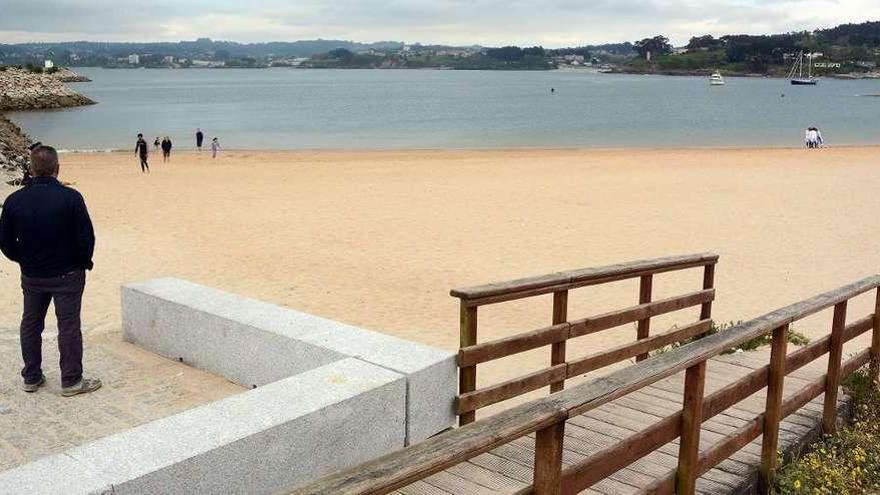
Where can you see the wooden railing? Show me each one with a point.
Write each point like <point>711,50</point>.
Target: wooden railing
<point>563,328</point>
<point>547,416</point>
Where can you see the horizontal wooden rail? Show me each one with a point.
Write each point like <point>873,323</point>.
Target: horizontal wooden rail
<point>526,341</point>
<point>561,281</point>
<point>635,313</point>
<point>509,389</point>
<point>448,449</point>
<point>615,355</point>
<point>515,344</point>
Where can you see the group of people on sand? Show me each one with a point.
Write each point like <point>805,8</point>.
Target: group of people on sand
<point>141,149</point>
<point>813,138</point>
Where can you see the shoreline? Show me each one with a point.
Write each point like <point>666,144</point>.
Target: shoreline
<point>603,149</point>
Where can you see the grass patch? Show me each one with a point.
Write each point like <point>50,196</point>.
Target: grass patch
<point>793,337</point>
<point>845,463</point>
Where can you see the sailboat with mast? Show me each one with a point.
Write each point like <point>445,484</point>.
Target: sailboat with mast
<point>798,68</point>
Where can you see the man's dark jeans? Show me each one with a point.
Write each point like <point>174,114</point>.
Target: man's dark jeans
<point>67,292</point>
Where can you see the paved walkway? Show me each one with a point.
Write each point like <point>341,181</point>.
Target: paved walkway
<point>138,387</point>
<point>509,468</point>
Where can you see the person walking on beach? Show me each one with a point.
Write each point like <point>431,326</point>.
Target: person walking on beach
<point>166,149</point>
<point>215,147</point>
<point>46,229</point>
<point>156,144</point>
<point>140,149</point>
<point>199,139</point>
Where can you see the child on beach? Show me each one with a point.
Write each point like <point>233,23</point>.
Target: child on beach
<point>215,147</point>
<point>156,144</point>
<point>199,138</point>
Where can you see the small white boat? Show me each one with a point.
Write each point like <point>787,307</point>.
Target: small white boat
<point>715,79</point>
<point>798,67</point>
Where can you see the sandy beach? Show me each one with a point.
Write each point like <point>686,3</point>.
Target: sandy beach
<point>378,239</point>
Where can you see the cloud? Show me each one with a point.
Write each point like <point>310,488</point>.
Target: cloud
<point>488,22</point>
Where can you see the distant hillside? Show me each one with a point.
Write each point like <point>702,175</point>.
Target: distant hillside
<point>85,53</point>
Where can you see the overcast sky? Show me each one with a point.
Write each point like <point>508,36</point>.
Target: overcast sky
<point>551,23</point>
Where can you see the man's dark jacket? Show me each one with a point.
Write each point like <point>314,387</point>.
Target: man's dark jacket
<point>46,228</point>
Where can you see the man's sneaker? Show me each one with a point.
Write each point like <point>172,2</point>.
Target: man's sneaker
<point>84,386</point>
<point>33,387</point>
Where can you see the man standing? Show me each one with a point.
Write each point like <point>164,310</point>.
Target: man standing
<point>46,229</point>
<point>199,139</point>
<point>140,149</point>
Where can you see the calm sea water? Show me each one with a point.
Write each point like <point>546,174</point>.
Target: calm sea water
<point>290,109</point>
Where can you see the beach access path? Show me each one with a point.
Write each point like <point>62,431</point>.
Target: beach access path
<point>510,468</point>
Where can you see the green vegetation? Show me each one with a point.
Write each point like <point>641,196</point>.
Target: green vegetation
<point>843,49</point>
<point>793,337</point>
<point>845,463</point>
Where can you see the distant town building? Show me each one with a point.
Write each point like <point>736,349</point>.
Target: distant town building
<point>134,59</point>
<point>168,59</point>
<point>574,58</point>
<point>48,64</point>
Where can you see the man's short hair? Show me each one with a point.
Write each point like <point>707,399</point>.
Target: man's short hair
<point>44,161</point>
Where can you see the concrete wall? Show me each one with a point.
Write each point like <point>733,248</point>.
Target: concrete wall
<point>255,343</point>
<point>278,436</point>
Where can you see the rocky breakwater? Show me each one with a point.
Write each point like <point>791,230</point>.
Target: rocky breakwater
<point>14,153</point>
<point>23,90</point>
<point>67,75</point>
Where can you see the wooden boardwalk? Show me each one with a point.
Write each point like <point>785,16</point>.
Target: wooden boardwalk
<point>510,467</point>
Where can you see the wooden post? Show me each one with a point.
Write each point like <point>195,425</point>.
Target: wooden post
<point>708,283</point>
<point>557,352</point>
<point>643,331</point>
<point>467,377</point>
<point>773,410</point>
<point>835,354</point>
<point>875,341</point>
<point>548,459</point>
<point>691,420</point>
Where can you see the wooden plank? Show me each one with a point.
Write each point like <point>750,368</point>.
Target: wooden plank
<point>611,459</point>
<point>509,389</point>
<point>495,481</point>
<point>514,344</point>
<point>708,283</point>
<point>596,361</point>
<point>691,421</point>
<point>545,284</point>
<point>634,313</point>
<point>467,376</point>
<point>835,354</point>
<point>643,330</point>
<point>422,488</point>
<point>557,352</point>
<point>773,411</point>
<point>548,459</point>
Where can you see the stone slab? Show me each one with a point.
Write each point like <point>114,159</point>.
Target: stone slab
<point>275,437</point>
<point>252,343</point>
